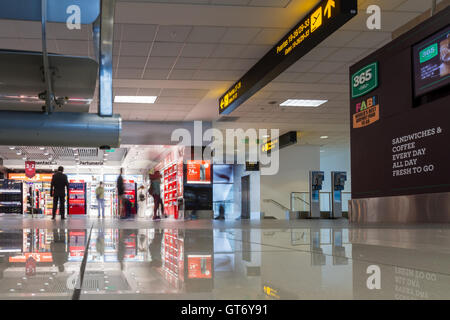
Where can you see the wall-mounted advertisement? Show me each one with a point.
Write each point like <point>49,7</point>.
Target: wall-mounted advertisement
<point>432,63</point>
<point>198,172</point>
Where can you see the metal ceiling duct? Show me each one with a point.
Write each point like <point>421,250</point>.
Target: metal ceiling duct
<point>68,129</point>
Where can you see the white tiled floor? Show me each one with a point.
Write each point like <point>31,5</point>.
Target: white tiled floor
<point>302,259</point>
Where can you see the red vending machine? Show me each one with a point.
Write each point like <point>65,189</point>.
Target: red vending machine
<point>130,193</point>
<point>77,198</point>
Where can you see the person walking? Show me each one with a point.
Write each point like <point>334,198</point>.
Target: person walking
<point>100,195</point>
<point>58,188</point>
<point>120,194</point>
<point>155,192</point>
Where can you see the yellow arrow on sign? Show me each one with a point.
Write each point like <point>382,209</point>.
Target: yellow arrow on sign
<point>330,4</point>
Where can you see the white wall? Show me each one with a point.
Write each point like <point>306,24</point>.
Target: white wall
<point>295,163</point>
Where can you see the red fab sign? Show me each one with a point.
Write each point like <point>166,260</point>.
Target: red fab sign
<point>30,169</point>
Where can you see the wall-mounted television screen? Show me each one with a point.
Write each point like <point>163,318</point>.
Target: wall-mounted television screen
<point>223,173</point>
<point>432,63</point>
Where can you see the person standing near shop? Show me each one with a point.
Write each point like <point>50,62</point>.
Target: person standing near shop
<point>58,189</point>
<point>100,195</point>
<point>155,192</point>
<point>120,193</point>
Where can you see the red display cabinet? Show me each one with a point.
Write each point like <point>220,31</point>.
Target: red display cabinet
<point>77,198</point>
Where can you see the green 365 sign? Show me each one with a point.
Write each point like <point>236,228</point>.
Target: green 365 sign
<point>365,80</point>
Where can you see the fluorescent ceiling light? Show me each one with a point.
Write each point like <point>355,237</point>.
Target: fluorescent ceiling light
<point>302,103</point>
<point>135,99</point>
<point>324,137</point>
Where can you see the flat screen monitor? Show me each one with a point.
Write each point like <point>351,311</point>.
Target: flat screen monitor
<point>223,173</point>
<point>432,63</point>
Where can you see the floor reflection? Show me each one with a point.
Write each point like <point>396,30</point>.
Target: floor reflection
<point>300,263</point>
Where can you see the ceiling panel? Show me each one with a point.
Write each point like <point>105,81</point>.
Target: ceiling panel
<point>197,50</point>
<point>182,74</point>
<point>240,35</point>
<point>188,63</point>
<point>156,74</point>
<point>166,49</point>
<point>269,3</point>
<point>269,36</point>
<point>161,62</point>
<point>138,32</point>
<point>200,34</point>
<point>173,33</point>
<point>228,51</point>
<point>133,48</point>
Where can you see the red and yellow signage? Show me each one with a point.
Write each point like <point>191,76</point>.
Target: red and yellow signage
<point>38,256</point>
<point>38,177</point>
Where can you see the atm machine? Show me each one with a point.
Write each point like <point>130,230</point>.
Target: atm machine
<point>338,179</point>
<point>316,179</point>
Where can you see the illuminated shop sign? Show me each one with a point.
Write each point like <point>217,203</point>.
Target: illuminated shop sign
<point>316,26</point>
<point>282,141</point>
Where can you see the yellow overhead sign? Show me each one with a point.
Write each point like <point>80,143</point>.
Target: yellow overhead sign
<point>230,96</point>
<point>304,30</point>
<point>323,19</point>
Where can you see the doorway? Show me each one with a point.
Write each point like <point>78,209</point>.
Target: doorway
<point>245,206</point>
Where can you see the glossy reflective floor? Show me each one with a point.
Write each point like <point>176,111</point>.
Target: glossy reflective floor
<point>269,259</point>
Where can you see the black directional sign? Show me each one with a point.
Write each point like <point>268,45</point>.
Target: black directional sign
<point>322,21</point>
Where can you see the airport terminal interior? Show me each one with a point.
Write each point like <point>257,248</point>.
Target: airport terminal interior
<point>244,149</point>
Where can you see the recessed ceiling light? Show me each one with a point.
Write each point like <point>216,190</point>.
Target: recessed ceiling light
<point>19,153</point>
<point>24,158</point>
<point>46,153</point>
<point>302,103</point>
<point>324,137</point>
<point>41,148</point>
<point>135,99</point>
<point>12,148</point>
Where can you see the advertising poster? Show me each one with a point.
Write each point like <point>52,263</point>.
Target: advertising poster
<point>198,171</point>
<point>199,267</point>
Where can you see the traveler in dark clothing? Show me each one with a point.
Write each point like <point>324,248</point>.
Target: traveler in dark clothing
<point>120,194</point>
<point>155,192</point>
<point>58,248</point>
<point>58,191</point>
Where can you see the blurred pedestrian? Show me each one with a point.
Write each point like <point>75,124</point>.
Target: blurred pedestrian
<point>100,195</point>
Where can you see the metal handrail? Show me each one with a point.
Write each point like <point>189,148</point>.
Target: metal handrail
<point>277,203</point>
<point>301,200</point>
